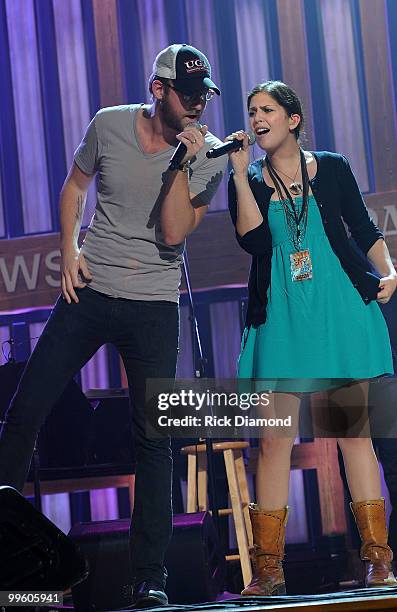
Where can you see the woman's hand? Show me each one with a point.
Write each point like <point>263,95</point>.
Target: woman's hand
<point>387,286</point>
<point>239,159</point>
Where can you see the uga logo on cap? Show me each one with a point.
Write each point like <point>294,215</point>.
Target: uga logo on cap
<point>195,65</point>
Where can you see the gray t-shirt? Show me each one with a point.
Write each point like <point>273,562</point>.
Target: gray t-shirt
<point>124,246</point>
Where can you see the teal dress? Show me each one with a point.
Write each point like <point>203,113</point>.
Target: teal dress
<point>318,332</point>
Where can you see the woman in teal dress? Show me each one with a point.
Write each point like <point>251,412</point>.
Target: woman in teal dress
<point>313,322</point>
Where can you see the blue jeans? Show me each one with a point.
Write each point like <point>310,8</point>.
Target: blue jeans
<point>146,336</point>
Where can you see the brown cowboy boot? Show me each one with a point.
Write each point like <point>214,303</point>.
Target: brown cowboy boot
<point>268,528</point>
<point>370,518</point>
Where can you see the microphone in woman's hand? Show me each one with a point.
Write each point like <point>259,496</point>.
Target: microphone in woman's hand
<point>229,147</point>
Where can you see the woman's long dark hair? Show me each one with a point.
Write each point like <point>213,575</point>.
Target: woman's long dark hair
<point>283,95</point>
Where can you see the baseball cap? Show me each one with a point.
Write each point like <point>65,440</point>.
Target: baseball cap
<point>187,67</point>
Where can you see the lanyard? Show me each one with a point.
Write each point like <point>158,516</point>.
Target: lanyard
<point>277,180</point>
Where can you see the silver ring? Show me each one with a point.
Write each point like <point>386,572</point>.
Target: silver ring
<point>194,141</point>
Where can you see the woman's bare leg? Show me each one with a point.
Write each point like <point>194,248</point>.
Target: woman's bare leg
<point>361,464</point>
<point>274,460</point>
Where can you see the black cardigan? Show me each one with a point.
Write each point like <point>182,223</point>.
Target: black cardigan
<point>339,200</point>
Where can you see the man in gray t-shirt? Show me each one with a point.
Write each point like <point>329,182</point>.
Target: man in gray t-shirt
<point>126,249</point>
<point>121,287</point>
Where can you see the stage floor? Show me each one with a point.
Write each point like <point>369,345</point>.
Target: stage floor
<point>376,600</point>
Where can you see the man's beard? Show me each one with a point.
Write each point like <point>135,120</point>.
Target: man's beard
<point>170,118</point>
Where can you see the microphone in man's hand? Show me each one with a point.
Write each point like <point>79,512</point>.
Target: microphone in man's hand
<point>181,149</point>
<point>229,147</point>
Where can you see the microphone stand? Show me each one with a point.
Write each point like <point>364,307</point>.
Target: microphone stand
<point>199,372</point>
<point>36,478</point>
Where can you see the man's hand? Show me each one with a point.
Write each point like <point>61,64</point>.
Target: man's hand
<point>74,273</point>
<point>387,286</point>
<point>193,138</point>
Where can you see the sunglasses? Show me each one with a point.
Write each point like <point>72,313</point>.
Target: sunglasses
<point>203,97</point>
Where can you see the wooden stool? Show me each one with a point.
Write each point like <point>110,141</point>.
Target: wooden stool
<point>238,490</point>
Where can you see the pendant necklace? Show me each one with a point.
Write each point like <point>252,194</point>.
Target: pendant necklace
<point>296,220</point>
<point>295,187</point>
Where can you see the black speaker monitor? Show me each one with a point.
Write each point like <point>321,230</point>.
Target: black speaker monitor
<point>195,565</point>
<point>35,554</point>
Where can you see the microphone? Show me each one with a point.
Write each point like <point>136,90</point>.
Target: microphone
<point>181,149</point>
<point>228,147</point>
